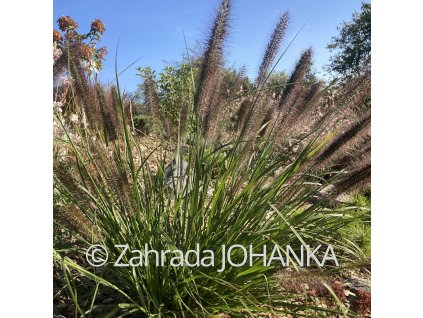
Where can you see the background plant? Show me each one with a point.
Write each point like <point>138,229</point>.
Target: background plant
<point>171,105</point>
<point>352,46</point>
<point>83,46</point>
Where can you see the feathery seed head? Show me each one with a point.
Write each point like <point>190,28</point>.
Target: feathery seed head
<point>213,59</point>
<point>273,47</point>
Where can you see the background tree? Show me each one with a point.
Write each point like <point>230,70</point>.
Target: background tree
<point>352,46</point>
<point>276,82</point>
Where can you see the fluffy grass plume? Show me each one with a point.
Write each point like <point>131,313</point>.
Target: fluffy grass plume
<point>213,59</point>
<point>273,47</point>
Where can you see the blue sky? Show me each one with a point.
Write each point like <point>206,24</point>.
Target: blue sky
<point>153,30</point>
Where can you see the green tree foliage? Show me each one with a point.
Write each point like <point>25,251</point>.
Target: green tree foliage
<point>352,46</point>
<point>276,83</point>
<point>168,96</point>
<point>174,89</point>
<point>174,86</point>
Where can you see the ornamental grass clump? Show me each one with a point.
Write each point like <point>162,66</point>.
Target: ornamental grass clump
<point>109,190</point>
<point>221,201</point>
